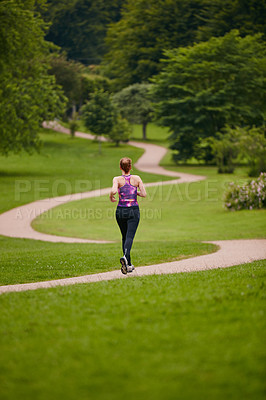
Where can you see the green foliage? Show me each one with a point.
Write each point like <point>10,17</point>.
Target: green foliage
<point>247,197</point>
<point>121,131</point>
<point>77,81</point>
<point>221,16</point>
<point>73,124</point>
<point>204,87</point>
<point>225,147</point>
<point>99,114</point>
<point>247,143</point>
<point>135,43</point>
<point>28,94</point>
<point>79,26</point>
<point>134,104</point>
<point>203,151</point>
<point>92,82</point>
<point>253,149</point>
<point>68,75</point>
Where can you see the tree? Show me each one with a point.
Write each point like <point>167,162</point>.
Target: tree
<point>253,148</point>
<point>91,82</point>
<point>28,94</point>
<point>121,131</point>
<point>135,105</point>
<point>79,26</point>
<point>225,148</point>
<point>246,143</point>
<point>136,42</point>
<point>204,87</point>
<point>69,75</point>
<point>73,124</point>
<point>99,114</point>
<point>221,16</point>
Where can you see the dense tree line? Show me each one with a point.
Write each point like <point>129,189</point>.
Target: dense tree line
<point>137,42</point>
<point>28,93</point>
<point>79,26</point>
<point>204,87</point>
<point>132,35</point>
<point>206,60</point>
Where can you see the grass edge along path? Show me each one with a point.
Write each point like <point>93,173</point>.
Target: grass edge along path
<point>231,252</point>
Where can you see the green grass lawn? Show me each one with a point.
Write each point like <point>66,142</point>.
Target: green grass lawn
<point>189,211</point>
<point>23,260</point>
<point>65,166</point>
<point>186,336</point>
<point>155,134</point>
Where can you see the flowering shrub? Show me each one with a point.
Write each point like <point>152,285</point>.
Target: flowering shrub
<point>247,197</point>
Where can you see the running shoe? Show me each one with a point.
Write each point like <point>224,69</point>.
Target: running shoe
<point>124,265</point>
<point>130,268</point>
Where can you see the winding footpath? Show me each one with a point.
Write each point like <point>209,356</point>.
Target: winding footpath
<point>17,223</point>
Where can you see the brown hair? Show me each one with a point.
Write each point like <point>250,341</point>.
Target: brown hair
<point>125,164</point>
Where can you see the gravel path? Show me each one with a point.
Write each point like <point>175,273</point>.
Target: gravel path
<point>17,223</point>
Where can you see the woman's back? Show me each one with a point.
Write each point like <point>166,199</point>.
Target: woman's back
<point>127,191</point>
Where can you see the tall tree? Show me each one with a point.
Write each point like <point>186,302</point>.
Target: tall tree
<point>204,87</point>
<point>135,105</point>
<point>137,42</point>
<point>79,26</point>
<point>221,16</point>
<point>147,27</point>
<point>69,75</point>
<point>99,114</point>
<point>28,94</point>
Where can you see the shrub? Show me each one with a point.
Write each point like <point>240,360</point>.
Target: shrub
<point>247,197</point>
<point>225,149</point>
<point>73,124</point>
<point>253,149</point>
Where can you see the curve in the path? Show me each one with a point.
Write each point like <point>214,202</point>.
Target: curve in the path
<point>230,253</point>
<point>17,223</point>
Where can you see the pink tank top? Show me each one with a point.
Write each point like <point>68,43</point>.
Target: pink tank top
<point>127,194</point>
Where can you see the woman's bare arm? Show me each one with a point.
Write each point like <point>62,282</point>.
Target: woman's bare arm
<point>114,190</point>
<point>142,191</point>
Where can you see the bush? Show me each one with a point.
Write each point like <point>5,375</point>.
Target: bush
<point>253,149</point>
<point>73,126</point>
<point>247,197</point>
<point>225,149</point>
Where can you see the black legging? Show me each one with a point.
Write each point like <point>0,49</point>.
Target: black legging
<point>128,220</point>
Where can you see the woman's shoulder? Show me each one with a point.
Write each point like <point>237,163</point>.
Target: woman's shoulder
<point>136,177</point>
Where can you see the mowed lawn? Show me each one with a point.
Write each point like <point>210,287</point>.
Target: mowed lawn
<point>66,166</point>
<point>187,211</point>
<point>154,134</point>
<point>185,336</point>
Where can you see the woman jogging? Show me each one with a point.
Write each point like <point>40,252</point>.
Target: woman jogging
<point>127,212</point>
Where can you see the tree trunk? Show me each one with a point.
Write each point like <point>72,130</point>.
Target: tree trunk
<point>100,145</point>
<point>144,126</point>
<point>74,110</point>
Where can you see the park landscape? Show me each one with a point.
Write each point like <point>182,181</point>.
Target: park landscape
<point>193,331</point>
